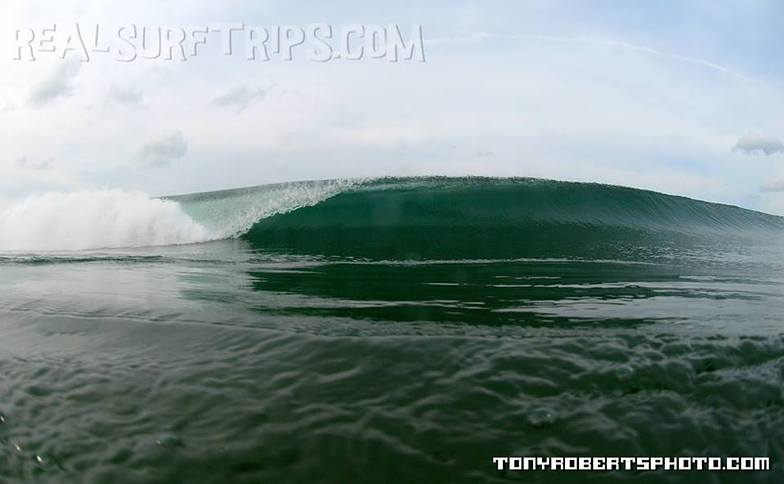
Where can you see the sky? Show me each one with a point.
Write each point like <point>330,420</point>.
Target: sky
<point>683,97</point>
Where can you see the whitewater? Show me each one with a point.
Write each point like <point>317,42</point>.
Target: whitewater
<point>117,218</point>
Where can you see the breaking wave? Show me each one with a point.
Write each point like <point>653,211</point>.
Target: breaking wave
<point>388,217</point>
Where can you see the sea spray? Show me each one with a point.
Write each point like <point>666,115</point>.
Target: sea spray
<point>115,218</point>
<point>96,219</point>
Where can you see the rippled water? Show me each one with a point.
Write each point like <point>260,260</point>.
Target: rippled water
<point>224,363</point>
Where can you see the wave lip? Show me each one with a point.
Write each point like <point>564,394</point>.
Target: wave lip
<point>231,213</point>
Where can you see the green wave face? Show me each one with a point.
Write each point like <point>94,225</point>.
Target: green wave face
<point>449,218</point>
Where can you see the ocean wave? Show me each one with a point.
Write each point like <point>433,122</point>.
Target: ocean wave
<point>447,218</point>
<point>393,218</point>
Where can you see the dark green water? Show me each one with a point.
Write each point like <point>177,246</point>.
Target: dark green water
<point>400,331</point>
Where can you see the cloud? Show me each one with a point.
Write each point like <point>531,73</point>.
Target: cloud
<point>7,107</point>
<point>164,150</point>
<point>24,162</point>
<point>616,44</point>
<point>57,84</point>
<point>126,96</point>
<point>773,186</point>
<point>240,98</point>
<point>753,144</point>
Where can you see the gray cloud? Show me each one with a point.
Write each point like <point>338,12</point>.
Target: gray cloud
<point>164,150</point>
<point>240,98</point>
<point>773,186</point>
<point>127,96</point>
<point>484,154</point>
<point>56,84</point>
<point>753,144</point>
<point>24,162</point>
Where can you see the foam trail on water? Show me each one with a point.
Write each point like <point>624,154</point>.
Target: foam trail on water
<point>95,220</point>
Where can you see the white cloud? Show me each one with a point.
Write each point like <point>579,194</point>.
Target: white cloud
<point>57,84</point>
<point>753,144</point>
<point>164,150</point>
<point>615,44</point>
<point>240,98</point>
<point>24,162</point>
<point>128,96</point>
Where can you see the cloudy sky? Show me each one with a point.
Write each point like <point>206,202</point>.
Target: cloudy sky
<point>684,97</point>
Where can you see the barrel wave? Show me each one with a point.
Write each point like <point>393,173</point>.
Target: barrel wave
<point>446,218</point>
<point>387,218</point>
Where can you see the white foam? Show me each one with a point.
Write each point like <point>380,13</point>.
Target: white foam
<point>95,219</point>
<point>234,212</point>
<point>104,219</point>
